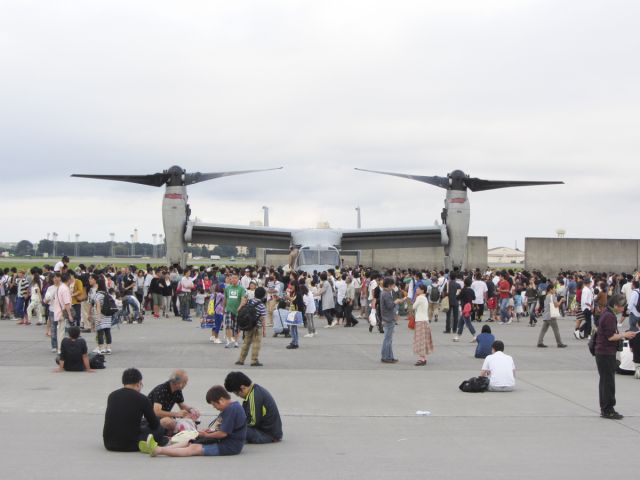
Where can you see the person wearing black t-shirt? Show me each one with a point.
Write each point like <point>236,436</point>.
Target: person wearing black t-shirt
<point>125,409</point>
<point>73,353</point>
<point>168,394</point>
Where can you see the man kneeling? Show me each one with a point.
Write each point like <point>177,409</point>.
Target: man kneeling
<point>225,435</point>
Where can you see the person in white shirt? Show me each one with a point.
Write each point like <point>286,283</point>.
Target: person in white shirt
<point>586,305</point>
<point>341,289</point>
<point>632,305</point>
<point>246,279</point>
<point>480,288</point>
<point>309,310</point>
<point>500,369</point>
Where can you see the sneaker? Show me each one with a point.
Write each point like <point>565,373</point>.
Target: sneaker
<point>473,340</point>
<point>104,351</point>
<point>212,339</point>
<point>612,415</point>
<point>576,333</point>
<point>227,345</point>
<point>308,335</point>
<point>562,345</point>
<point>217,340</point>
<point>108,351</point>
<point>235,345</point>
<point>456,339</point>
<point>55,350</point>
<point>256,364</point>
<point>239,363</point>
<point>327,326</point>
<point>509,322</point>
<point>96,350</point>
<point>542,345</point>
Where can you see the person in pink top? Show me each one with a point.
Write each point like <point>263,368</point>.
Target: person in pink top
<point>62,311</point>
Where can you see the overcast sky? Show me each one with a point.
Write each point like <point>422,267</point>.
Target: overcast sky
<point>503,89</point>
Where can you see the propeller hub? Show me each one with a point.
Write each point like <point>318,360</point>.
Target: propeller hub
<point>457,180</point>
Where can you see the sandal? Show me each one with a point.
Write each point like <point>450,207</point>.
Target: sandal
<point>420,363</point>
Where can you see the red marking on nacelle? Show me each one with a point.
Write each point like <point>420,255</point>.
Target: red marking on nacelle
<point>173,196</point>
<point>457,200</point>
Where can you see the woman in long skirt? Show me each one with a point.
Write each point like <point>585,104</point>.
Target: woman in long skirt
<point>422,341</point>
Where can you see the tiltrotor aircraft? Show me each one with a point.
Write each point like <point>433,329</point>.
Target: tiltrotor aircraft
<point>457,211</point>
<point>318,248</point>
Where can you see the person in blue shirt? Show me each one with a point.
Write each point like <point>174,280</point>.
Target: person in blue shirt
<point>484,342</point>
<point>224,436</point>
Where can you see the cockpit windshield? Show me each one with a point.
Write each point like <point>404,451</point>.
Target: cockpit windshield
<point>314,256</point>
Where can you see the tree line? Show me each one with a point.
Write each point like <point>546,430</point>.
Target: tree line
<point>120,249</point>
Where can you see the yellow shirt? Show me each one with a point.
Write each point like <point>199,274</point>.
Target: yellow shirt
<point>77,287</point>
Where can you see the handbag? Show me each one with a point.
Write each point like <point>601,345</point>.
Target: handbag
<point>444,305</point>
<point>554,312</point>
<point>412,322</point>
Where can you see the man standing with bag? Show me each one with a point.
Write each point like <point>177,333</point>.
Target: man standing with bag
<point>253,337</point>
<point>606,346</point>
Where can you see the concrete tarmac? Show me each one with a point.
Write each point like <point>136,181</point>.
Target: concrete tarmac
<point>345,414</point>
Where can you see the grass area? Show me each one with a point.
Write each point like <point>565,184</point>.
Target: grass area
<point>26,263</point>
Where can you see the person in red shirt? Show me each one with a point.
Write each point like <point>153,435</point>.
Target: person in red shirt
<point>504,292</point>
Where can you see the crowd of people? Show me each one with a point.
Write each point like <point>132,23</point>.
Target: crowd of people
<point>240,305</point>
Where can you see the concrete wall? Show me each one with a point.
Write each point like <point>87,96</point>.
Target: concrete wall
<point>551,255</point>
<point>431,257</point>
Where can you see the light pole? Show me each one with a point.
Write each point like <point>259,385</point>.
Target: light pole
<point>266,216</point>
<point>55,241</point>
<point>113,236</point>
<point>161,254</point>
<point>132,250</point>
<point>155,247</point>
<point>359,219</point>
<point>76,246</point>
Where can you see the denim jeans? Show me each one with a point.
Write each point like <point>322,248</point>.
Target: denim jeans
<point>20,310</point>
<point>387,347</point>
<point>53,330</point>
<point>633,322</point>
<point>199,310</point>
<point>465,321</point>
<point>532,312</point>
<point>504,310</point>
<point>258,436</point>
<point>294,334</point>
<point>455,311</point>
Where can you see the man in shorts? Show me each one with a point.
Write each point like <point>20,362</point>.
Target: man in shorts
<point>224,436</point>
<point>235,296</point>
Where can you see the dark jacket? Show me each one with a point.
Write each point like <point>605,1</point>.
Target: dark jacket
<point>262,412</point>
<point>607,326</point>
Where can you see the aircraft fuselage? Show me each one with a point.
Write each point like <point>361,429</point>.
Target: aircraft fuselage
<point>174,219</point>
<point>458,218</point>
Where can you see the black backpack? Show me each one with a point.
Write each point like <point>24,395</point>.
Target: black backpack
<point>109,307</point>
<point>434,294</point>
<point>248,316</point>
<point>475,385</point>
<point>96,361</point>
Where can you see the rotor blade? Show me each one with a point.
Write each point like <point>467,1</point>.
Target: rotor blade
<point>441,182</point>
<point>197,177</point>
<point>154,180</point>
<point>479,185</point>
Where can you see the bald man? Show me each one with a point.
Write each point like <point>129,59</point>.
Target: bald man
<point>166,395</point>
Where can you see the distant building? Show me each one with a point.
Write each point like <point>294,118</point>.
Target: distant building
<point>503,255</point>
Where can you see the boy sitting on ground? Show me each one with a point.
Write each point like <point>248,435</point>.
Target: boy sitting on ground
<point>225,435</point>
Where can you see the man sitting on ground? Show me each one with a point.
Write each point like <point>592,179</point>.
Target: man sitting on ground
<point>164,396</point>
<point>125,409</point>
<point>73,353</point>
<point>500,369</point>
<point>264,423</point>
<point>225,435</point>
